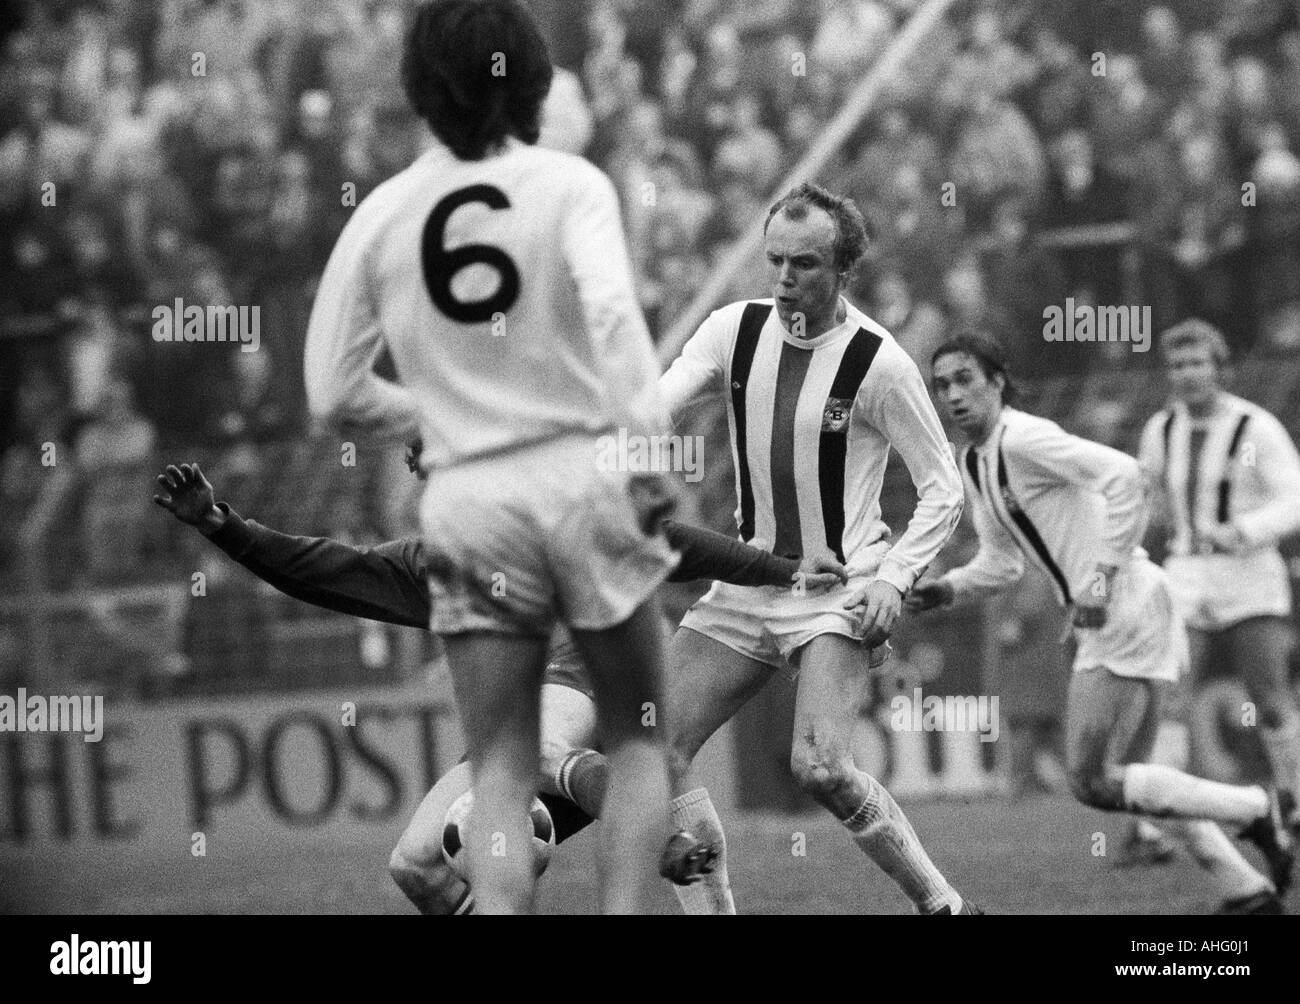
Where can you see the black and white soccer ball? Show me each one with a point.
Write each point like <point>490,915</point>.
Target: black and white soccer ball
<point>453,841</point>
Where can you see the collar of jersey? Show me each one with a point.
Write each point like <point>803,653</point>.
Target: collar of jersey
<point>990,443</point>
<point>841,330</point>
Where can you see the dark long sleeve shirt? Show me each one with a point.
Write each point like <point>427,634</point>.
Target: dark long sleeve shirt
<point>387,582</point>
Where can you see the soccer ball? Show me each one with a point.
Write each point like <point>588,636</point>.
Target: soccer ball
<point>453,841</point>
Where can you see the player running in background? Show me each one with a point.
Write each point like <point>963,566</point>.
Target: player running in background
<point>1228,477</point>
<point>816,393</point>
<point>388,583</point>
<point>497,276</point>
<point>1076,509</point>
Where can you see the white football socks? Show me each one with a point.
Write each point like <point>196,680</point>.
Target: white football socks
<point>881,829</point>
<point>1229,872</point>
<point>711,893</point>
<point>1163,791</point>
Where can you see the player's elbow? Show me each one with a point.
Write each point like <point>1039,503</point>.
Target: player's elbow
<point>948,497</point>
<point>1128,473</point>
<point>326,403</point>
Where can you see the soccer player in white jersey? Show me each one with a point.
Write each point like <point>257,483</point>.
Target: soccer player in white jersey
<point>1077,509</point>
<point>816,393</point>
<point>1228,476</point>
<point>497,276</point>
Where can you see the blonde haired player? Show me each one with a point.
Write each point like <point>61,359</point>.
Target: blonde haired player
<point>1076,509</point>
<point>497,276</point>
<point>1228,478</point>
<point>816,394</point>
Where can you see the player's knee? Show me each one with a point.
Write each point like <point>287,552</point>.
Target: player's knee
<point>1091,786</point>
<point>403,870</point>
<point>820,773</point>
<point>413,858</point>
<point>551,756</point>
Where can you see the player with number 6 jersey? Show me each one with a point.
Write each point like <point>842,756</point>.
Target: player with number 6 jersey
<point>503,289</point>
<point>497,277</point>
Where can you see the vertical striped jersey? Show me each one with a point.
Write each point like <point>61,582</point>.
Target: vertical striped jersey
<point>1068,503</point>
<point>1237,465</point>
<point>812,421</point>
<point>503,290</point>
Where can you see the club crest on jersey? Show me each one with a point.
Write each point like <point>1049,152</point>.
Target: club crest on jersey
<point>835,416</point>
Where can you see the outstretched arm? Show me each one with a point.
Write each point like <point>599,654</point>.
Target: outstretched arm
<point>382,583</point>
<point>709,555</point>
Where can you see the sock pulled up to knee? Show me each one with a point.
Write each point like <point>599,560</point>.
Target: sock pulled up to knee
<point>883,832</point>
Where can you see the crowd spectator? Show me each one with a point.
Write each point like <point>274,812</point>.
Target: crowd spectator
<point>213,149</point>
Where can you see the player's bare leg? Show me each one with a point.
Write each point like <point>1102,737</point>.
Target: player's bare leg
<point>417,865</point>
<point>625,663</point>
<point>497,680</point>
<point>1261,647</point>
<point>568,726</point>
<point>1172,747</point>
<point>832,681</point>
<point>1110,722</point>
<point>707,684</point>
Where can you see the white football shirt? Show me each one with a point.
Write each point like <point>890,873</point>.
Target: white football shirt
<point>812,421</point>
<point>1235,466</point>
<point>1068,503</point>
<point>503,290</point>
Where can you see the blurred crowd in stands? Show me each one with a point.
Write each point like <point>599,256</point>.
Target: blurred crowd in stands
<point>1116,153</point>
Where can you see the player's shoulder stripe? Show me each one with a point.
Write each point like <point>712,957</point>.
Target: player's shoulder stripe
<point>732,312</point>
<point>1241,406</point>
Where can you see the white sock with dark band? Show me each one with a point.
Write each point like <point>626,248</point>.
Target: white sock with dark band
<point>1163,791</point>
<point>881,829</point>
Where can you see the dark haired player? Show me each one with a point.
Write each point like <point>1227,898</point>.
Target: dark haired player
<point>388,583</point>
<point>497,276</point>
<point>1076,509</point>
<point>816,393</point>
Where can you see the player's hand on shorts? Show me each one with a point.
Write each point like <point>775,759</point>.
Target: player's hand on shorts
<point>820,572</point>
<point>878,605</point>
<point>188,496</point>
<point>413,450</point>
<point>928,595</point>
<point>1222,537</point>
<point>654,497</point>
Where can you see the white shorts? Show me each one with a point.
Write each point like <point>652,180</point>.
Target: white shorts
<point>1216,591</point>
<point>519,540</point>
<point>772,623</point>
<point>1143,635</point>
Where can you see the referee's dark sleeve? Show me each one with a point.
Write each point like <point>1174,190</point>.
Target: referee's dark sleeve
<point>709,555</point>
<point>382,583</point>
